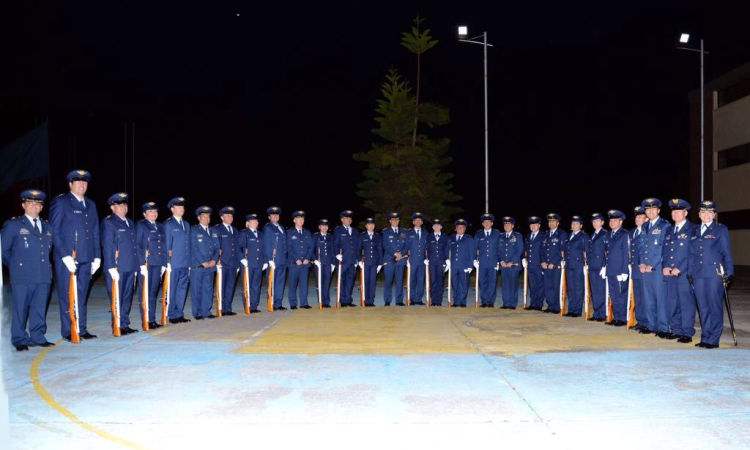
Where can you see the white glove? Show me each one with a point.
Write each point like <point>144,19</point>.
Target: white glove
<point>144,271</point>
<point>524,263</point>
<point>447,268</point>
<point>317,263</point>
<point>426,262</point>
<point>468,270</point>
<point>622,277</point>
<point>476,264</point>
<point>163,269</point>
<point>497,268</point>
<point>265,266</point>
<point>69,263</point>
<point>447,264</point>
<point>562,264</point>
<point>169,267</point>
<point>218,267</point>
<point>340,257</point>
<point>95,265</point>
<point>603,273</point>
<point>243,261</point>
<point>236,271</point>
<point>333,267</point>
<point>272,264</point>
<point>361,265</point>
<point>377,270</point>
<point>113,273</point>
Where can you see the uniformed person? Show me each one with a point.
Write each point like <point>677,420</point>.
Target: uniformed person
<point>509,254</point>
<point>152,257</point>
<point>637,236</point>
<point>229,257</point>
<point>552,262</point>
<point>462,252</point>
<point>177,232</point>
<point>486,259</point>
<point>75,228</point>
<point>120,255</point>
<point>597,273</point>
<point>394,261</point>
<point>417,245</point>
<point>710,258</point>
<point>324,260</point>
<point>371,258</point>
<point>275,251</point>
<point>532,261</point>
<point>300,253</point>
<point>650,264</point>
<point>251,247</point>
<point>437,254</point>
<point>204,253</point>
<point>345,244</point>
<point>617,259</point>
<point>680,298</point>
<point>575,250</point>
<point>26,245</point>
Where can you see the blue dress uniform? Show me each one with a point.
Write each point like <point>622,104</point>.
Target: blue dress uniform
<point>595,258</point>
<point>323,254</point>
<point>636,243</point>
<point>533,255</point>
<point>229,255</point>
<point>575,249</point>
<point>275,249</point>
<point>709,252</point>
<point>120,252</point>
<point>462,252</point>
<point>177,234</point>
<point>75,227</point>
<point>346,243</point>
<point>617,262</point>
<point>552,248</point>
<point>416,241</point>
<point>437,254</point>
<point>150,236</point>
<point>654,287</point>
<point>680,299</point>
<point>204,247</point>
<point>251,247</point>
<point>371,251</point>
<point>487,245</point>
<point>510,252</point>
<point>26,250</point>
<point>300,248</point>
<point>394,241</point>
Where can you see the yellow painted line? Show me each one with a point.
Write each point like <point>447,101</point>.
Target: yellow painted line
<point>42,392</point>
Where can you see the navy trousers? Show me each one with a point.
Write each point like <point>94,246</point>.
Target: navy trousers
<point>178,288</point>
<point>63,281</point>
<point>29,304</point>
<point>487,284</point>
<point>201,291</point>
<point>298,284</point>
<point>437,279</point>
<point>574,279</point>
<point>552,289</point>
<point>125,286</point>
<point>394,277</point>
<point>509,285</point>
<point>710,294</point>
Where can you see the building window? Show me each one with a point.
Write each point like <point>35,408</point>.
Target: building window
<point>734,92</point>
<point>734,156</point>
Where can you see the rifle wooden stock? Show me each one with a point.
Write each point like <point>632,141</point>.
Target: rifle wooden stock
<point>525,287</point>
<point>427,285</point>
<point>450,271</point>
<point>246,289</point>
<point>586,293</point>
<point>165,295</point>
<point>631,300</point>
<point>362,284</point>
<point>320,284</point>
<point>609,301</point>
<point>408,283</point>
<point>563,290</point>
<point>476,289</point>
<point>115,309</point>
<point>269,301</point>
<point>338,287</point>
<point>144,298</point>
<point>72,306</point>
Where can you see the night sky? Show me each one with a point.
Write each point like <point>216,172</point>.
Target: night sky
<point>260,103</point>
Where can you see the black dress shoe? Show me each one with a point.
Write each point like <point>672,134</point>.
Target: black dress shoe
<point>198,317</point>
<point>293,308</point>
<point>256,311</point>
<point>183,320</point>
<point>644,330</point>
<point>88,335</point>
<point>455,306</point>
<point>700,344</point>
<point>709,346</point>
<point>328,306</point>
<point>401,304</point>
<point>67,338</point>
<point>310,307</point>
<point>387,304</point>
<point>482,305</point>
<point>46,344</point>
<point>619,323</point>
<point>281,308</point>
<point>131,330</point>
<point>463,306</point>
<point>417,303</point>
<point>228,313</point>
<point>210,316</point>
<point>369,305</point>
<point>568,314</point>
<point>612,323</point>
<point>685,339</point>
<point>20,348</point>
<point>575,315</point>
<point>154,325</point>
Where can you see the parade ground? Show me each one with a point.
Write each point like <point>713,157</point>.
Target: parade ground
<point>397,377</point>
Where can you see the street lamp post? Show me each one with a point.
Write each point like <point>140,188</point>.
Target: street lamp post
<point>463,33</point>
<point>684,39</point>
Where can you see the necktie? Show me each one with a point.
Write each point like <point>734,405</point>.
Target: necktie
<point>349,230</point>
<point>255,233</point>
<point>300,232</point>
<point>126,222</point>
<point>460,236</point>
<point>533,236</point>
<point>419,235</point>
<point>36,225</point>
<point>395,230</point>
<point>437,236</point>
<point>487,233</point>
<point>507,236</point>
<point>83,204</point>
<point>230,230</point>
<point>703,229</point>
<point>370,236</point>
<point>637,232</point>
<point>676,230</point>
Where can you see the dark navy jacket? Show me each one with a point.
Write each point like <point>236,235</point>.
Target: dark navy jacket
<point>119,237</point>
<point>299,247</point>
<point>574,250</point>
<point>204,246</point>
<point>229,244</point>
<point>709,251</point>
<point>152,237</point>
<point>177,240</point>
<point>437,250</point>
<point>74,226</point>
<point>462,253</point>
<point>393,243</point>
<point>323,248</point>
<point>274,239</point>
<point>371,249</point>
<point>254,247</point>
<point>26,251</point>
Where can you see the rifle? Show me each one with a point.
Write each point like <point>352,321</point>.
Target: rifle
<point>724,282</point>
<point>408,282</point>
<point>73,299</point>
<point>525,286</point>
<point>362,284</point>
<point>338,284</point>
<point>586,293</point>
<point>476,289</point>
<point>320,280</point>
<point>609,300</point>
<point>246,280</point>
<point>269,301</point>
<point>427,280</point>
<point>631,299</point>
<point>563,290</point>
<point>218,284</point>
<point>116,293</point>
<point>144,290</point>
<point>165,294</point>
